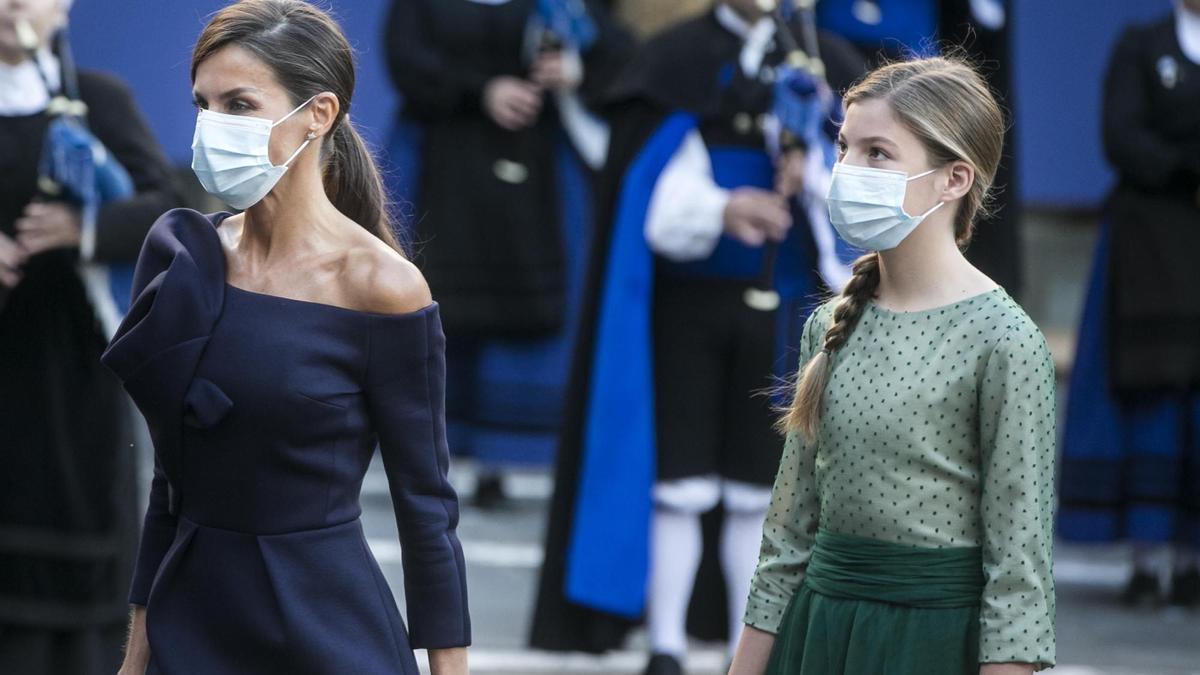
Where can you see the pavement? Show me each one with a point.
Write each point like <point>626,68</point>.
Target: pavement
<point>503,550</point>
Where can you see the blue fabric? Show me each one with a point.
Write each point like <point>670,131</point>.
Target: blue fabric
<point>910,23</point>
<point>798,104</point>
<point>252,556</point>
<point>1130,468</point>
<point>569,20</point>
<point>506,396</point>
<point>90,176</point>
<point>608,551</point>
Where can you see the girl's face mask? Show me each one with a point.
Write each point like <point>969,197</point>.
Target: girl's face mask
<point>866,206</point>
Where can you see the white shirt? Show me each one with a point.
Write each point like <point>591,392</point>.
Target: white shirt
<point>1187,29</point>
<point>22,91</point>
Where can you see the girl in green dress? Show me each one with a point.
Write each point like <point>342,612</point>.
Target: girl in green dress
<point>910,527</point>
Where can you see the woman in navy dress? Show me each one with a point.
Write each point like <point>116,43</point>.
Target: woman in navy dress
<point>270,351</point>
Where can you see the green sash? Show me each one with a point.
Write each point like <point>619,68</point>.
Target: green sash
<point>859,568</point>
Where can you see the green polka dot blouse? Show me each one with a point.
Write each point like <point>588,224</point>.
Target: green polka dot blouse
<point>937,430</point>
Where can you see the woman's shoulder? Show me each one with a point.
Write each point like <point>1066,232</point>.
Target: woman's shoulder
<point>382,281</point>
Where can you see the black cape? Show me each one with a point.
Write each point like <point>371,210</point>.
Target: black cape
<point>676,71</point>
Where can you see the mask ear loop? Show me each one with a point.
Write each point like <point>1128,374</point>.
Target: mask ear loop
<point>307,139</point>
<point>935,206</point>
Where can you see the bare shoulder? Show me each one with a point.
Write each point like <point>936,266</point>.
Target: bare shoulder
<point>382,281</point>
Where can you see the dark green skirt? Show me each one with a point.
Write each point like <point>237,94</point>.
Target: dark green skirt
<point>868,607</point>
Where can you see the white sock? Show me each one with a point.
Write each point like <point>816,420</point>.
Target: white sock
<point>675,549</point>
<point>741,536</point>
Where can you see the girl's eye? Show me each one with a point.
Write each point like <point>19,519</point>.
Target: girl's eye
<point>841,148</point>
<point>877,153</point>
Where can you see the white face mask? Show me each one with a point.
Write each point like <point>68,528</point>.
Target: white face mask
<point>230,156</point>
<point>866,206</point>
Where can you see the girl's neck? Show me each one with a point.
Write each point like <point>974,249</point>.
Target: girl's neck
<point>927,270</point>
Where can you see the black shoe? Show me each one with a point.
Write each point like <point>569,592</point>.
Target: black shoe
<point>1141,591</point>
<point>489,492</point>
<point>1185,588</point>
<point>663,664</point>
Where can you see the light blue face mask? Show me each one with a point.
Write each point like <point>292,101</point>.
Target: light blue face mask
<point>230,156</point>
<point>866,206</point>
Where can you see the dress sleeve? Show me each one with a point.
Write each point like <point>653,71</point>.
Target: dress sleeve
<point>1016,427</point>
<point>791,525</point>
<point>158,532</point>
<point>121,225</point>
<point>432,88</point>
<point>406,375</point>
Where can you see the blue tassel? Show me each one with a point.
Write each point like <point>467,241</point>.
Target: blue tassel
<point>79,163</point>
<point>800,104</point>
<point>569,21</point>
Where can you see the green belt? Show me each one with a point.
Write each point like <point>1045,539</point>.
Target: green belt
<point>859,568</point>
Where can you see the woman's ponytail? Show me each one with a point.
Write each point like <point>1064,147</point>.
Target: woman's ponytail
<point>353,183</point>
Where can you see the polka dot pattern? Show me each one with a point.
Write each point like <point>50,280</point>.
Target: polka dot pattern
<point>937,430</point>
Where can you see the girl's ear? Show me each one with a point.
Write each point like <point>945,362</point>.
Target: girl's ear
<point>962,177</point>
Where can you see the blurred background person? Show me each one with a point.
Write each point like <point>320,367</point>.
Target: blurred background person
<point>71,202</point>
<point>665,424</point>
<point>490,161</point>
<point>1131,469</point>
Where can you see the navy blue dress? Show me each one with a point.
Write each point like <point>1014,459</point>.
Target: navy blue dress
<point>264,413</point>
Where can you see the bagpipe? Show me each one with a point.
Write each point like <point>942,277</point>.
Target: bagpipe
<point>803,109</point>
<point>75,167</point>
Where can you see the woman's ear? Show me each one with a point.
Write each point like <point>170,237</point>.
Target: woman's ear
<point>325,108</point>
<point>962,177</point>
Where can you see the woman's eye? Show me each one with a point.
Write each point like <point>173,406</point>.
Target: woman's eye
<point>841,148</point>
<point>877,153</point>
<point>237,105</point>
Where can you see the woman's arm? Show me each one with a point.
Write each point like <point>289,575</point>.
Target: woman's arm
<point>448,661</point>
<point>753,652</point>
<point>137,649</point>
<point>405,395</point>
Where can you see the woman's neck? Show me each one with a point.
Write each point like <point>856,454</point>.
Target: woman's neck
<point>927,270</point>
<point>293,219</point>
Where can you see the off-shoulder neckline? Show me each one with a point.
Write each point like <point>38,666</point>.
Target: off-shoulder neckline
<point>217,218</point>
<point>334,308</point>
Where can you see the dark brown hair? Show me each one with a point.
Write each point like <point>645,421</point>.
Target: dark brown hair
<point>948,106</point>
<point>308,54</point>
